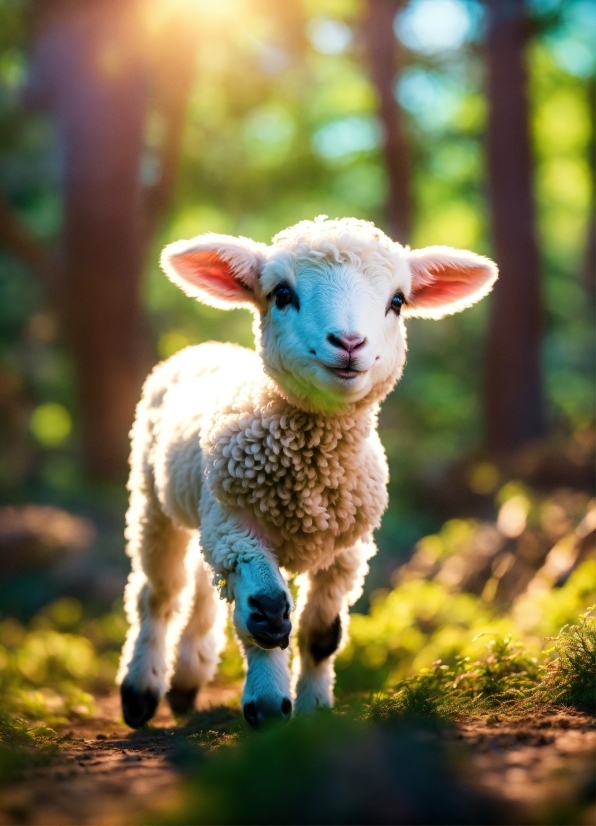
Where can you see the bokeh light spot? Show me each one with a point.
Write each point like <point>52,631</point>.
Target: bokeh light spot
<point>430,26</point>
<point>171,342</point>
<point>329,36</point>
<point>513,516</point>
<point>51,424</point>
<point>65,613</point>
<point>347,136</point>
<point>433,99</point>
<point>484,478</point>
<point>270,125</point>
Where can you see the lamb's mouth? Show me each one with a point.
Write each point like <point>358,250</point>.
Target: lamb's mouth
<point>347,373</point>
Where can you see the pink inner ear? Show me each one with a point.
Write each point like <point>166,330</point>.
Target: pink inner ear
<point>447,285</point>
<point>211,273</point>
<point>435,286</point>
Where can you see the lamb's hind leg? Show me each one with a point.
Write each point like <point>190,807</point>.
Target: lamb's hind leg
<point>153,606</point>
<point>322,607</point>
<point>200,644</point>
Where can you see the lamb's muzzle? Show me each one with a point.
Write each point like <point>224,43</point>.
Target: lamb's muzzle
<point>271,460</point>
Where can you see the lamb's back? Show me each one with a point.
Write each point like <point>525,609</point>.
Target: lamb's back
<point>201,368</point>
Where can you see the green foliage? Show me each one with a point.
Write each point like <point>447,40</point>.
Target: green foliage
<point>22,747</point>
<point>414,625</point>
<point>48,668</point>
<point>570,679</point>
<point>421,622</point>
<point>370,761</point>
<point>466,689</point>
<point>506,680</point>
<point>522,577</point>
<point>281,128</point>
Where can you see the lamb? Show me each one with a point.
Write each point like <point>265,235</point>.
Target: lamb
<point>249,467</point>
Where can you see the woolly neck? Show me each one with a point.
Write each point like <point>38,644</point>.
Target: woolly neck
<point>314,482</point>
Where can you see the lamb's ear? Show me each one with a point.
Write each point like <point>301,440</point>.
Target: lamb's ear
<point>219,270</point>
<point>446,280</point>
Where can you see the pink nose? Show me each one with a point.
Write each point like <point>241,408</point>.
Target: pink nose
<point>348,342</point>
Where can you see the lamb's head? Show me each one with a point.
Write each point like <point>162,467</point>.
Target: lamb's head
<point>330,298</point>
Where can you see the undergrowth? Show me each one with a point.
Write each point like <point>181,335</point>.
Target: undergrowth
<point>506,681</point>
<point>570,678</point>
<point>49,667</point>
<point>22,747</point>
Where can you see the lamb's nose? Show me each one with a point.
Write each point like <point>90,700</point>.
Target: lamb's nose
<point>348,342</point>
<point>269,621</point>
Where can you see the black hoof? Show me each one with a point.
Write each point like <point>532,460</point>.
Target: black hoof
<point>259,718</point>
<point>269,622</point>
<point>182,700</point>
<point>138,707</point>
<point>323,643</point>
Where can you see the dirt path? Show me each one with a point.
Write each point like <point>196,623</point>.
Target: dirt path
<point>110,775</point>
<point>544,765</point>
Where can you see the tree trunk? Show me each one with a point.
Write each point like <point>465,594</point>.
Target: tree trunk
<point>514,411</point>
<point>97,83</point>
<point>99,69</point>
<point>381,55</point>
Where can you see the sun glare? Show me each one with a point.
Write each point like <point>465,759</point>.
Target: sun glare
<point>205,9</point>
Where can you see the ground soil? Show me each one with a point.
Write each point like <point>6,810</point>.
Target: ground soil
<point>542,765</point>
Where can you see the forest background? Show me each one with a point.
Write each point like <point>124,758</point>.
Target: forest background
<point>127,125</point>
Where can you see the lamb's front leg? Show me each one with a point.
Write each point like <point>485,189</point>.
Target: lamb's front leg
<point>322,607</point>
<point>262,621</point>
<point>262,603</point>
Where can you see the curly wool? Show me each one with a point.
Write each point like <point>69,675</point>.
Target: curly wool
<point>313,484</point>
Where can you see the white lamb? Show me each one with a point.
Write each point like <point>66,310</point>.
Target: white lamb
<point>271,459</point>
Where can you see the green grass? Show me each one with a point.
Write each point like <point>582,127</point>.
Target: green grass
<point>570,679</point>
<point>22,747</point>
<point>465,689</point>
<point>507,681</point>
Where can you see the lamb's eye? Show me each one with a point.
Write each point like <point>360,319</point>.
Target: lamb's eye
<point>397,303</point>
<point>283,295</point>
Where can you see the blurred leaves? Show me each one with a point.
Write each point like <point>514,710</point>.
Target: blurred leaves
<point>48,667</point>
<point>497,682</point>
<point>524,576</point>
<point>282,125</point>
<point>505,681</point>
